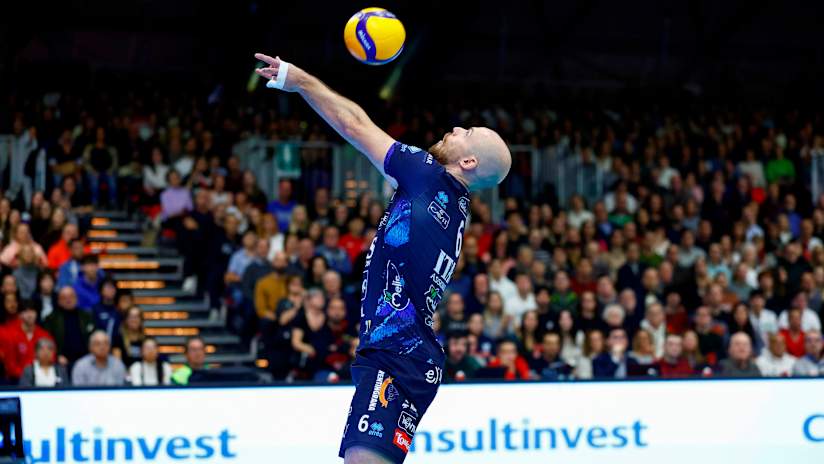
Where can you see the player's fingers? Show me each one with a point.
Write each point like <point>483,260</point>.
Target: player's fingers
<point>265,58</point>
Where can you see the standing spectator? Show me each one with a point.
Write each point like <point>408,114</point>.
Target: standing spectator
<point>88,284</point>
<point>774,361</point>
<point>150,370</point>
<point>43,372</point>
<point>740,362</point>
<point>507,357</point>
<point>99,367</point>
<point>278,343</point>
<point>793,335</point>
<point>21,337</point>
<point>812,363</point>
<point>311,336</point>
<point>459,364</point>
<point>673,364</point>
<point>101,164</point>
<point>195,352</point>
<point>129,342</point>
<point>240,260</point>
<point>69,272</point>
<point>69,326</point>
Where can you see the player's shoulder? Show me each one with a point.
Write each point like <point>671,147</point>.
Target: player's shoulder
<point>406,149</point>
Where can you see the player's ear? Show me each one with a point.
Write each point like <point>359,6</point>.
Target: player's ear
<point>469,162</point>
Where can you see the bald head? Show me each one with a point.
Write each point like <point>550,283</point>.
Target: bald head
<point>478,156</point>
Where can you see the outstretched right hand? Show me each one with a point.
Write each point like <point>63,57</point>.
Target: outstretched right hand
<point>271,72</point>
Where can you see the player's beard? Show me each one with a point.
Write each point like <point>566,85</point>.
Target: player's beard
<point>439,153</point>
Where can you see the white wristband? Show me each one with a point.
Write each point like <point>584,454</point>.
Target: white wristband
<point>280,79</point>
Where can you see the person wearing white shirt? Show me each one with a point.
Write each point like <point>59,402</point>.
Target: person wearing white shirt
<point>775,362</point>
<point>523,300</point>
<point>154,175</point>
<point>578,214</point>
<point>43,372</point>
<point>150,371</point>
<point>809,319</point>
<point>655,324</point>
<point>500,283</point>
<point>763,320</point>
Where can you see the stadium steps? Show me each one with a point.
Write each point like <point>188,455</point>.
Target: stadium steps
<point>155,277</point>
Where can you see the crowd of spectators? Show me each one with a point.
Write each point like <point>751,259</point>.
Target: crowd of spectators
<point>703,258</point>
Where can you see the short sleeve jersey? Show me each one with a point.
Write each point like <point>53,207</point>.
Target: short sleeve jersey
<point>413,256</point>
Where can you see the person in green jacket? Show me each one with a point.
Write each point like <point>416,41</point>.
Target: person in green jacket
<point>195,360</point>
<point>780,169</point>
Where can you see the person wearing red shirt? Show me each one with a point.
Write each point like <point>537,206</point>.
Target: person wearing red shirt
<point>60,252</point>
<point>793,335</point>
<point>673,364</point>
<point>353,241</point>
<point>508,357</point>
<point>21,338</point>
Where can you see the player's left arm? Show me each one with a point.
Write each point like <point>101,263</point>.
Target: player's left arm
<point>345,116</point>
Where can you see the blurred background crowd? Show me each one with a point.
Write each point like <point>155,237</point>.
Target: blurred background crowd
<point>698,253</point>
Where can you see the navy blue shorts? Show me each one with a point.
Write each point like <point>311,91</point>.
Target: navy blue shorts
<point>392,393</point>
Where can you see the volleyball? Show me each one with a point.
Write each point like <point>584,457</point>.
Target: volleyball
<point>374,36</point>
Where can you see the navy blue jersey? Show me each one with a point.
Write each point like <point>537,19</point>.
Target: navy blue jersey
<point>413,256</point>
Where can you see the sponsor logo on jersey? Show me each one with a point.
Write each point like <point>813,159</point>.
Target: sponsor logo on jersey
<point>428,159</point>
<point>434,375</point>
<point>463,206</point>
<point>408,406</point>
<point>377,390</point>
<point>407,422</point>
<point>376,430</point>
<point>436,211</point>
<point>402,440</point>
<point>393,292</point>
<point>433,298</point>
<point>410,148</point>
<point>387,393</point>
<point>442,198</point>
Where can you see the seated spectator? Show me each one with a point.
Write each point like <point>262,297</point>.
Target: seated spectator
<point>459,364</point>
<point>106,316</point>
<point>87,286</point>
<point>44,372</point>
<point>454,319</point>
<point>523,300</point>
<point>529,335</point>
<point>593,346</point>
<point>22,237</point>
<point>282,207</point>
<point>614,363</point>
<point>129,341</point>
<point>69,272</point>
<point>335,255</point>
<point>311,336</point>
<point>740,362</point>
<point>238,263</point>
<point>572,339</point>
<point>812,363</point>
<point>21,337</point>
<point>150,370</point>
<point>710,335</point>
<point>353,241</point>
<point>497,324</point>
<point>793,335</point>
<point>549,364</point>
<point>499,282</point>
<point>270,289</point>
<point>655,323</point>
<point>763,320</point>
<point>11,309</point>
<point>562,295</point>
<point>154,176</point>
<point>692,351</point>
<point>46,296</point>
<point>27,272</point>
<point>99,367</point>
<point>508,361</point>
<point>60,252</point>
<point>195,352</point>
<point>70,327</point>
<point>614,317</point>
<point>774,361</point>
<point>673,363</point>
<point>739,321</point>
<point>809,319</point>
<point>643,353</point>
<point>338,360</point>
<point>480,345</point>
<point>175,200</point>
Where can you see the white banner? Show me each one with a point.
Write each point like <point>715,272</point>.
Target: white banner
<point>706,421</point>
